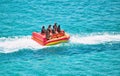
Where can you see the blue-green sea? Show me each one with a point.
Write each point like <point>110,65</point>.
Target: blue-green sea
<point>93,48</point>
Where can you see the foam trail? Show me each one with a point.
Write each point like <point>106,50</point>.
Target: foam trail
<point>12,44</point>
<point>94,39</point>
<point>16,43</point>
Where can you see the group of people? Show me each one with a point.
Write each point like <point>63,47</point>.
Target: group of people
<point>54,32</point>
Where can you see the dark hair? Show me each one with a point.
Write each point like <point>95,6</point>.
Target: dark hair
<point>55,24</point>
<point>43,26</point>
<point>49,26</point>
<point>59,26</point>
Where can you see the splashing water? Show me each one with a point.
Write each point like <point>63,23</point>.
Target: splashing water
<point>16,43</point>
<point>94,39</point>
<point>25,42</point>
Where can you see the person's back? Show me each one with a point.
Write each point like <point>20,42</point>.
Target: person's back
<point>55,26</point>
<point>47,34</point>
<point>53,31</point>
<point>58,29</point>
<point>54,35</point>
<point>49,28</point>
<point>43,31</point>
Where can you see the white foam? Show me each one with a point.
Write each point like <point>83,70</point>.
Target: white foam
<point>12,44</point>
<point>94,39</point>
<point>16,43</point>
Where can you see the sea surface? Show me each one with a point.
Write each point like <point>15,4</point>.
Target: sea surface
<point>93,48</point>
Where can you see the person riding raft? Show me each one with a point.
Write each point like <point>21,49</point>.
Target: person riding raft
<point>48,32</point>
<point>43,31</point>
<point>52,33</point>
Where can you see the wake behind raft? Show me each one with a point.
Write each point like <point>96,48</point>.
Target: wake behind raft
<point>50,36</point>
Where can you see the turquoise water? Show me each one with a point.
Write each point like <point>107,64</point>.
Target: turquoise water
<point>93,49</point>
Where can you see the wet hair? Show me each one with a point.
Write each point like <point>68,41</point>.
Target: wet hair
<point>53,27</point>
<point>43,26</point>
<point>49,26</point>
<point>43,29</point>
<point>55,24</point>
<point>59,26</point>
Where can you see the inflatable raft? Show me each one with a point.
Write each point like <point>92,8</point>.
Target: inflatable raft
<point>41,39</point>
